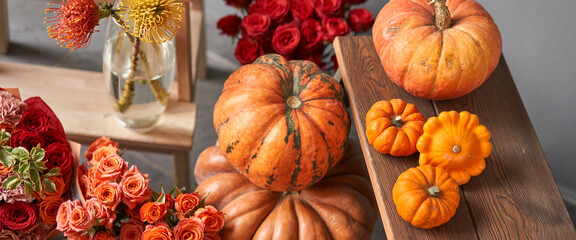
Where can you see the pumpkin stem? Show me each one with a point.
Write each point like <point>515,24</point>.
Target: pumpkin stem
<point>443,18</point>
<point>294,102</point>
<point>434,191</point>
<point>456,149</point>
<point>397,121</point>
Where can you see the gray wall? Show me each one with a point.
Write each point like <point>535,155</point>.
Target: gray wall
<point>538,43</point>
<point>539,46</point>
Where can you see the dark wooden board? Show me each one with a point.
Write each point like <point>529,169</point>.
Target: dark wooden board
<point>508,200</point>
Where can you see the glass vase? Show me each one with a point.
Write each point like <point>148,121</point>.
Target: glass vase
<point>138,77</point>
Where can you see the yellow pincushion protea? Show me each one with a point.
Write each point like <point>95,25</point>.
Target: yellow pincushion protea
<point>151,20</point>
<point>456,142</point>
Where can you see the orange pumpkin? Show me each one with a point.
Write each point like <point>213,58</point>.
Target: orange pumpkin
<point>394,127</point>
<point>282,123</point>
<point>437,51</point>
<point>456,142</point>
<point>426,196</point>
<point>340,206</point>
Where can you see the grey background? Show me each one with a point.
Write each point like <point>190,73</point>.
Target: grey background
<point>538,44</point>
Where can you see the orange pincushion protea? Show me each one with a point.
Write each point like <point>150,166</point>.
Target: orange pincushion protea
<point>75,23</point>
<point>456,142</point>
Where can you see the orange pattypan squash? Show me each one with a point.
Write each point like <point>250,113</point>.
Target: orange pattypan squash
<point>426,196</point>
<point>393,127</point>
<point>437,50</point>
<point>456,142</point>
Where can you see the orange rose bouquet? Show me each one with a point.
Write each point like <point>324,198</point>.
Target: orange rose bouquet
<point>116,202</point>
<point>35,167</point>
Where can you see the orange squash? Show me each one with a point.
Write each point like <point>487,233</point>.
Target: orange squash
<point>437,51</point>
<point>456,142</point>
<point>340,206</point>
<point>426,196</point>
<point>393,127</point>
<point>282,123</point>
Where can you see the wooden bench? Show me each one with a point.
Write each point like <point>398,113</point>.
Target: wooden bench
<point>515,197</point>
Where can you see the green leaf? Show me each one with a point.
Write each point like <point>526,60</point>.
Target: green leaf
<point>28,187</point>
<point>53,172</point>
<point>11,182</point>
<point>162,198</point>
<point>4,137</point>
<point>37,153</point>
<point>24,169</point>
<point>36,181</point>
<point>38,166</point>
<point>5,158</point>
<point>155,195</point>
<point>20,154</point>
<point>49,185</point>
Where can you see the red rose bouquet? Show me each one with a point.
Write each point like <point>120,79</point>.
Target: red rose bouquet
<point>295,29</point>
<point>35,167</point>
<point>116,201</point>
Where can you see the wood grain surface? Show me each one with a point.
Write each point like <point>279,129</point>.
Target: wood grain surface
<point>515,197</point>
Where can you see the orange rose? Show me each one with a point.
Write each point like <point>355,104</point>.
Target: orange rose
<point>111,168</point>
<point>101,212</point>
<point>212,236</point>
<point>135,212</point>
<point>131,230</point>
<point>80,218</point>
<point>157,233</point>
<point>61,187</point>
<point>104,235</point>
<point>100,142</point>
<point>48,209</point>
<point>102,153</point>
<point>152,212</point>
<point>109,194</point>
<point>63,215</point>
<point>187,202</point>
<point>4,170</point>
<point>77,236</point>
<point>212,219</point>
<point>189,229</point>
<point>135,188</point>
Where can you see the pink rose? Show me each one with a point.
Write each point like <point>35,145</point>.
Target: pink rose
<point>334,27</point>
<point>360,20</point>
<point>286,39</point>
<point>81,219</point>
<point>101,212</point>
<point>12,109</point>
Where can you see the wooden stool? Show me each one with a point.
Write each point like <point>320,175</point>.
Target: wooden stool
<point>515,197</point>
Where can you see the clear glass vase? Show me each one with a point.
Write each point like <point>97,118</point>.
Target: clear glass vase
<point>138,77</point>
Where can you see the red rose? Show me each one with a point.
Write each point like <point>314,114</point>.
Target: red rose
<point>257,7</point>
<point>25,139</point>
<point>247,51</point>
<point>37,104</point>
<point>255,25</point>
<point>35,120</point>
<point>59,155</point>
<point>302,9</point>
<point>351,2</point>
<point>18,215</point>
<point>229,25</point>
<point>360,20</point>
<point>286,39</point>
<point>312,36</point>
<point>169,201</point>
<point>53,136</point>
<point>329,8</point>
<point>238,3</point>
<point>277,9</point>
<point>334,27</point>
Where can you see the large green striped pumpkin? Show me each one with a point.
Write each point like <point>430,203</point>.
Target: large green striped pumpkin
<point>282,124</point>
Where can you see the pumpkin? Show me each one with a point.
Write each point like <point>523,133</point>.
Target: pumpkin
<point>456,142</point>
<point>426,196</point>
<point>340,206</point>
<point>282,123</point>
<point>393,127</point>
<point>437,51</point>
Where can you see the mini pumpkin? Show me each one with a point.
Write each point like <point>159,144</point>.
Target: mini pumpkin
<point>282,123</point>
<point>340,206</point>
<point>456,142</point>
<point>393,127</point>
<point>426,196</point>
<point>436,50</point>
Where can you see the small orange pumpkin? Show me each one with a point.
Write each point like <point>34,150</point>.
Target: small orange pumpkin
<point>456,142</point>
<point>393,127</point>
<point>426,196</point>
